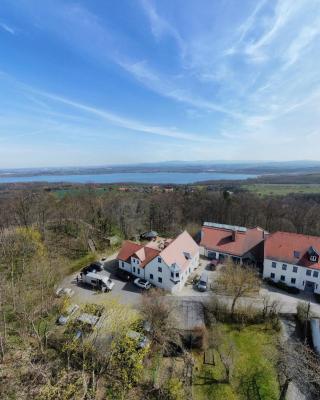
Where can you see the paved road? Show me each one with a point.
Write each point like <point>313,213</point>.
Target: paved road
<point>123,292</point>
<point>128,293</point>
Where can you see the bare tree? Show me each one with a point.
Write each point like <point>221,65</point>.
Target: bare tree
<point>160,316</point>
<point>299,364</point>
<point>237,281</point>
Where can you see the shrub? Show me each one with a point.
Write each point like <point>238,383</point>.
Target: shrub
<point>282,286</point>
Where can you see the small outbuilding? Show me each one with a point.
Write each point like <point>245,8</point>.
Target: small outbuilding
<point>150,235</point>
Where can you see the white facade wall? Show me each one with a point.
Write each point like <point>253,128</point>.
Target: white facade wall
<point>125,266</point>
<point>205,252</point>
<point>297,279</point>
<point>152,273</point>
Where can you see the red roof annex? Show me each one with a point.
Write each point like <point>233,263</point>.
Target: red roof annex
<point>236,243</point>
<point>292,248</point>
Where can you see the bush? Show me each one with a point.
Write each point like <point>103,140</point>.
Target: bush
<point>282,286</point>
<point>217,310</point>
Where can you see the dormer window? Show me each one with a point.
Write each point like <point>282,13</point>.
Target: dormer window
<point>313,254</point>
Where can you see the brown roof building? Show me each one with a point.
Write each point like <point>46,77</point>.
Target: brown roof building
<point>219,241</point>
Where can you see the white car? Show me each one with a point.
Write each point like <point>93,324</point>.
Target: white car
<point>142,283</point>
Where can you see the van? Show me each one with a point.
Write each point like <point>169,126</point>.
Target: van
<point>98,281</point>
<point>203,282</point>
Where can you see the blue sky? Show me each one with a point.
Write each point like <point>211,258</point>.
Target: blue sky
<point>94,82</point>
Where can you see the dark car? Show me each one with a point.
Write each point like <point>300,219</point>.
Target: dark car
<point>123,275</point>
<point>97,266</point>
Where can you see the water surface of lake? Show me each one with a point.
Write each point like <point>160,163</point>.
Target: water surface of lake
<point>131,177</point>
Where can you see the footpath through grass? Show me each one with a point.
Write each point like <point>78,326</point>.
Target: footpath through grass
<point>253,373</point>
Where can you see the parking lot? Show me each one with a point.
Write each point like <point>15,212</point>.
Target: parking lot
<point>127,292</point>
<point>123,292</point>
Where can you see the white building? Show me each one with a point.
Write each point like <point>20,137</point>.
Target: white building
<point>293,259</point>
<point>166,263</point>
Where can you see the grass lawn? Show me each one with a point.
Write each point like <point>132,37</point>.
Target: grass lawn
<point>60,193</point>
<point>280,189</point>
<point>253,375</point>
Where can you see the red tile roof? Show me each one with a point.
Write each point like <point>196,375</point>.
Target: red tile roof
<point>284,246</point>
<point>222,240</point>
<point>172,251</point>
<point>145,255</point>
<point>128,248</point>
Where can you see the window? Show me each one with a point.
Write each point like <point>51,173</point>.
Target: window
<point>308,272</point>
<point>160,279</point>
<point>315,274</point>
<point>313,258</point>
<point>295,269</point>
<point>159,259</point>
<point>159,269</point>
<point>284,267</point>
<point>274,264</point>
<point>272,275</point>
<point>138,270</point>
<point>283,278</point>
<point>151,276</point>
<point>177,274</point>
<point>293,280</point>
<point>122,264</point>
<point>134,269</point>
<point>172,275</point>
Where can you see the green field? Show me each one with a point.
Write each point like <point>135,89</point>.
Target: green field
<point>280,189</point>
<point>253,374</point>
<point>77,191</point>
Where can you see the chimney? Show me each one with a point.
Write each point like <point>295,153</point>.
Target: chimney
<point>234,235</point>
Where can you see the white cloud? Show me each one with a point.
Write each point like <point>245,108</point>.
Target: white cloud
<point>163,86</point>
<point>128,123</point>
<point>160,27</point>
<point>7,28</point>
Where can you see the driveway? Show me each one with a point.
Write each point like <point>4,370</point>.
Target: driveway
<point>123,292</point>
<point>129,294</point>
<point>287,302</point>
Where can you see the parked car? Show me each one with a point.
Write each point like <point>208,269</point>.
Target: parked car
<point>142,283</point>
<point>212,266</point>
<point>67,292</point>
<point>97,266</point>
<point>98,281</point>
<point>203,282</point>
<point>123,275</point>
<point>63,319</point>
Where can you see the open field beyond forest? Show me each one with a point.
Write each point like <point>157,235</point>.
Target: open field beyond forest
<point>281,189</point>
<point>254,367</point>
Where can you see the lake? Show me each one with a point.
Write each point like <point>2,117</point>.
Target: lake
<point>136,177</point>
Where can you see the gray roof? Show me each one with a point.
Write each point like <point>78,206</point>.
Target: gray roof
<point>190,315</point>
<point>224,226</point>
